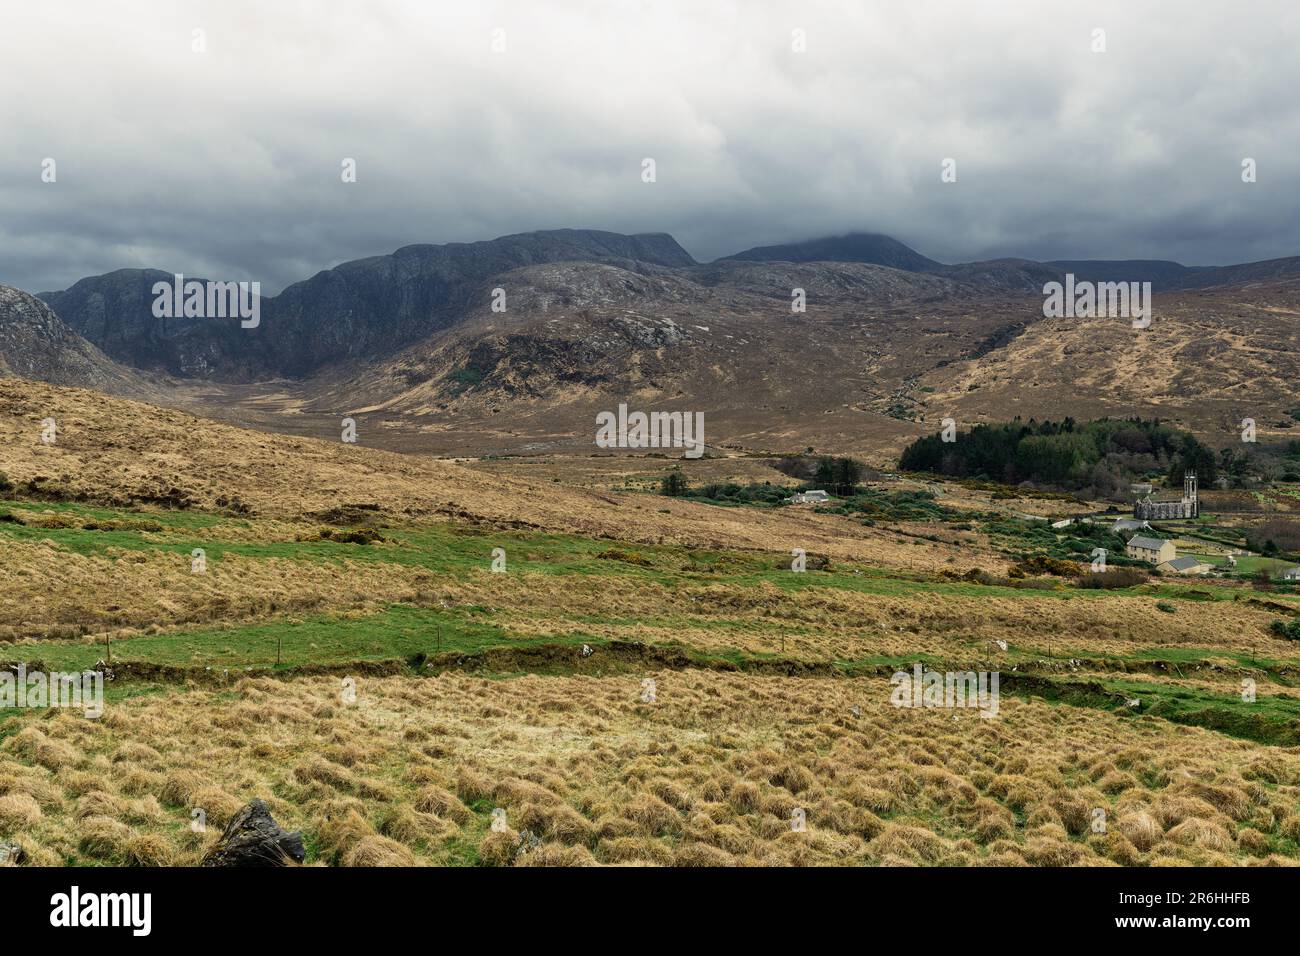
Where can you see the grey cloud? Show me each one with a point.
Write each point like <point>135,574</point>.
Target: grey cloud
<point>226,163</point>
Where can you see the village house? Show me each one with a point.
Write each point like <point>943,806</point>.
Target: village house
<point>808,498</point>
<point>1155,551</point>
<point>1291,574</point>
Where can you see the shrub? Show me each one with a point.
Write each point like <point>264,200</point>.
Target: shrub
<point>674,484</point>
<point>1042,564</point>
<point>350,535</point>
<point>1287,630</point>
<point>1112,578</point>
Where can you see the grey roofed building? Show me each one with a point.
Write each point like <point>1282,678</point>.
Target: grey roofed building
<point>1185,563</point>
<point>1147,544</point>
<point>1129,524</point>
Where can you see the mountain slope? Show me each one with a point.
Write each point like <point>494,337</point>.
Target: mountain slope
<point>854,247</point>
<point>115,311</point>
<point>35,344</point>
<point>370,309</point>
<point>358,310</point>
<point>1209,359</point>
<point>1162,274</point>
<point>410,346</point>
<point>583,337</point>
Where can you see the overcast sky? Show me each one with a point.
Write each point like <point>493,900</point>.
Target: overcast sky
<point>226,163</point>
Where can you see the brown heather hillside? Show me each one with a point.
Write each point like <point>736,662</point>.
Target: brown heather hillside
<point>1209,359</point>
<point>120,452</point>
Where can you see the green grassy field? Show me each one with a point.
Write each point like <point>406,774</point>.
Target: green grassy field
<point>408,635</point>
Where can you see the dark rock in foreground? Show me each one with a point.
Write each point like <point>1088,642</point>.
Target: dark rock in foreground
<point>253,838</point>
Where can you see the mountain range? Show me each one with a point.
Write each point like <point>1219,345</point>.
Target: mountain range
<point>890,341</point>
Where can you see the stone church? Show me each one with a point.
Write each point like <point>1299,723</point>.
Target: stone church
<point>1188,506</point>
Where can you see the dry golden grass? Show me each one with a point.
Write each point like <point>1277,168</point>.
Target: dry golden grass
<point>709,774</point>
<point>119,450</point>
<point>48,591</point>
<point>817,623</point>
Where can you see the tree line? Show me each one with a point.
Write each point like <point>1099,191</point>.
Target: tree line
<point>1100,455</point>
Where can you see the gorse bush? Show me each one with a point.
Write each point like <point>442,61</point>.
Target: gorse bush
<point>1015,580</point>
<point>900,506</point>
<point>1111,579</point>
<point>1042,564</point>
<point>674,484</point>
<point>1287,630</point>
<point>736,494</point>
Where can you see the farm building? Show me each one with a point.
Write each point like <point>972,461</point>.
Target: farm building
<point>1186,565</point>
<point>1291,574</point>
<point>808,498</point>
<point>1129,524</point>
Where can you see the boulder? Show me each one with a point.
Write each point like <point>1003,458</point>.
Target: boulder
<point>253,838</point>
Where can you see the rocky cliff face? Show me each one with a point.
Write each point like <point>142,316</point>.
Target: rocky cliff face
<point>35,344</point>
<point>115,312</point>
<point>359,310</point>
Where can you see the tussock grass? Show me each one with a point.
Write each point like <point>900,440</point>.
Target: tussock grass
<point>643,784</point>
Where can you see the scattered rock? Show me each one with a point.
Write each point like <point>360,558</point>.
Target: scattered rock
<point>11,854</point>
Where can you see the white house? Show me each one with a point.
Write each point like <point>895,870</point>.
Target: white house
<point>1291,574</point>
<point>808,498</point>
<point>1129,524</point>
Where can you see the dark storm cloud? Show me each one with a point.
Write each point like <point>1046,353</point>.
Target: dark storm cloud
<point>226,163</point>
